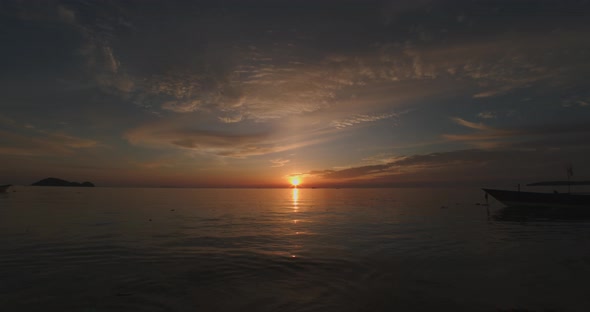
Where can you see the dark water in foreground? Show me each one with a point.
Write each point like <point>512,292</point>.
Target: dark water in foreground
<point>102,249</point>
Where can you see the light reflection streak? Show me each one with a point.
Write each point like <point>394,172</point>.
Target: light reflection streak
<point>295,197</point>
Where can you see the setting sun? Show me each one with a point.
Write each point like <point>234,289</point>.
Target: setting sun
<point>295,181</point>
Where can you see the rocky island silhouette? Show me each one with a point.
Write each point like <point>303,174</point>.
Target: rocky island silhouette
<point>60,182</point>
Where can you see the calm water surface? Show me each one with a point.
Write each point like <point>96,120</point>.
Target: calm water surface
<point>107,249</point>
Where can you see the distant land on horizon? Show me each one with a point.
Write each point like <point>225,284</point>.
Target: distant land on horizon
<point>60,182</point>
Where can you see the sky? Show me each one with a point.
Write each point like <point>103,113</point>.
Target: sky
<point>253,93</point>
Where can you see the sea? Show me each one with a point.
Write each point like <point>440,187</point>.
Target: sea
<point>166,249</point>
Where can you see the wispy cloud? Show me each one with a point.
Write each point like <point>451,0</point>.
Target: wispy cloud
<point>66,14</point>
<point>181,107</point>
<point>487,115</point>
<point>279,162</point>
<point>402,166</point>
<point>472,125</point>
<point>460,166</point>
<point>576,101</point>
<point>173,134</point>
<point>361,118</point>
<point>486,137</point>
<point>42,143</point>
<point>26,139</point>
<point>261,82</point>
<point>231,119</point>
<point>489,137</point>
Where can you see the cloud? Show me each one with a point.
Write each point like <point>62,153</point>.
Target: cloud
<point>486,137</point>
<point>231,119</point>
<point>400,165</point>
<point>182,107</point>
<point>357,172</point>
<point>225,143</point>
<point>455,167</point>
<point>71,141</point>
<point>25,139</point>
<point>262,86</point>
<point>279,162</point>
<point>403,166</point>
<point>264,79</point>
<point>361,118</point>
<point>491,93</point>
<point>487,115</point>
<point>472,125</point>
<point>576,101</point>
<point>36,143</point>
<point>97,36</point>
<point>65,14</point>
<point>111,63</point>
<point>381,158</point>
<point>489,137</point>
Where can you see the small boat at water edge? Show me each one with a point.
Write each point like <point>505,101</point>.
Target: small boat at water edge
<point>4,188</point>
<point>535,199</point>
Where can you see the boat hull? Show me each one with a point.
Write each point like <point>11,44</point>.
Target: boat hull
<point>531,199</point>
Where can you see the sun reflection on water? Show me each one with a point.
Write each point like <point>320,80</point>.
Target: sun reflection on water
<point>295,197</point>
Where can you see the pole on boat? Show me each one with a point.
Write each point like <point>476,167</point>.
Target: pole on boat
<point>487,205</point>
<point>570,172</point>
<point>485,195</point>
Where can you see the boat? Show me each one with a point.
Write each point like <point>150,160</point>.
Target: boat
<point>4,188</point>
<point>549,200</point>
<point>534,199</point>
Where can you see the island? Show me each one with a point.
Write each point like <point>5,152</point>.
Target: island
<point>60,182</point>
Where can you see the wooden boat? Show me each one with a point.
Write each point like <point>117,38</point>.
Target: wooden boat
<point>4,188</point>
<point>535,199</point>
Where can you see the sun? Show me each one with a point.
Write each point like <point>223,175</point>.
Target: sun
<point>295,181</point>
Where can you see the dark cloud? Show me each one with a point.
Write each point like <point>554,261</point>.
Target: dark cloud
<point>467,167</point>
<point>485,136</point>
<point>19,139</point>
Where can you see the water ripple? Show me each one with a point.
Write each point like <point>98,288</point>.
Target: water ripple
<point>259,250</point>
